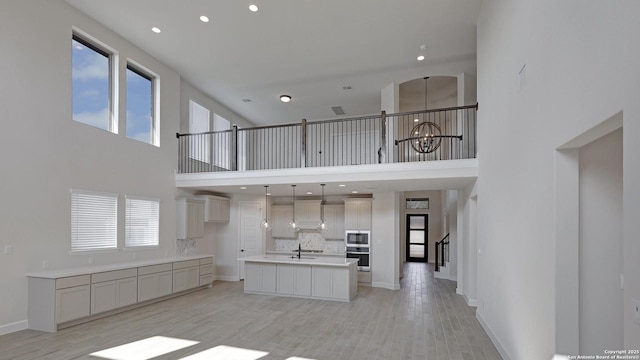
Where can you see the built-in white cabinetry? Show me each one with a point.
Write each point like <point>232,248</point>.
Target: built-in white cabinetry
<point>73,298</point>
<point>357,214</point>
<point>293,280</point>
<point>113,289</point>
<point>190,221</point>
<point>307,214</point>
<point>334,218</point>
<point>281,216</point>
<point>186,275</point>
<point>64,297</point>
<point>260,278</point>
<point>206,271</point>
<point>216,208</point>
<point>330,282</point>
<point>155,281</point>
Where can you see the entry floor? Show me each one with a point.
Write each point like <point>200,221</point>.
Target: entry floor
<point>426,319</point>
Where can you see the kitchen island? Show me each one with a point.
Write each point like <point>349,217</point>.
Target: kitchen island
<point>307,277</point>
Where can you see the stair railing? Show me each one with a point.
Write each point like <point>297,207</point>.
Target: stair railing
<point>442,251</point>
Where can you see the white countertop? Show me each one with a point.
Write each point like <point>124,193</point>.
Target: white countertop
<point>60,273</point>
<point>305,253</point>
<point>305,260</point>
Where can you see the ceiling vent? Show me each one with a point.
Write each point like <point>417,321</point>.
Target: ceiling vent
<point>246,100</point>
<point>338,110</point>
<point>347,87</point>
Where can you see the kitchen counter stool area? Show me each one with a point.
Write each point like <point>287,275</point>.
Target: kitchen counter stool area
<point>314,278</point>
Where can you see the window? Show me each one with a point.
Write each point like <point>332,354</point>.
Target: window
<point>199,120</point>
<point>91,84</point>
<point>94,224</point>
<point>421,203</point>
<point>141,124</point>
<point>142,218</point>
<point>221,142</point>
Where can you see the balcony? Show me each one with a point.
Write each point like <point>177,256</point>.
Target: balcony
<point>406,146</point>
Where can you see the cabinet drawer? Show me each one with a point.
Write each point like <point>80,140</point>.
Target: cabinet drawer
<point>113,275</point>
<point>152,269</point>
<point>206,261</point>
<point>185,264</point>
<point>72,281</point>
<point>205,279</point>
<point>206,269</point>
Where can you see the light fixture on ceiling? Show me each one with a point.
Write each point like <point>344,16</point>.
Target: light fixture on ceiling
<point>322,226</point>
<point>309,193</point>
<point>342,185</point>
<point>253,7</point>
<point>243,188</point>
<point>420,57</point>
<point>265,224</point>
<point>285,98</point>
<point>156,30</point>
<point>293,224</point>
<point>204,18</point>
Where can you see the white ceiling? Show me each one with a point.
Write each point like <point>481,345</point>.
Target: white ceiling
<point>308,49</point>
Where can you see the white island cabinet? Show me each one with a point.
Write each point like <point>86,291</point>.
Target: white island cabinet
<point>316,278</point>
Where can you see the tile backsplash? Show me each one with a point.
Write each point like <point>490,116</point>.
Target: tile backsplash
<point>310,240</point>
<point>186,246</point>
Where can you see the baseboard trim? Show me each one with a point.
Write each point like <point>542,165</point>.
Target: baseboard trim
<point>453,277</point>
<point>227,278</point>
<point>470,302</point>
<point>385,285</point>
<point>459,291</point>
<point>501,350</point>
<point>13,327</point>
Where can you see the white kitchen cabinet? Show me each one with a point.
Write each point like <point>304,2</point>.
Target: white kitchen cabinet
<point>154,281</point>
<point>113,289</point>
<point>260,278</point>
<point>186,275</point>
<point>73,298</point>
<point>334,218</point>
<point>206,271</point>
<point>190,218</point>
<point>281,216</point>
<point>357,214</point>
<point>293,280</point>
<point>308,214</point>
<point>331,283</point>
<point>216,209</point>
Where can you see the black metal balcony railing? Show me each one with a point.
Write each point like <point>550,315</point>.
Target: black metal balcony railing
<point>439,134</point>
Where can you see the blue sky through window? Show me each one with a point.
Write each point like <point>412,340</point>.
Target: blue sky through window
<point>139,107</point>
<point>90,87</point>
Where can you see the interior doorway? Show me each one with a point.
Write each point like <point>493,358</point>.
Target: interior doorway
<point>417,237</point>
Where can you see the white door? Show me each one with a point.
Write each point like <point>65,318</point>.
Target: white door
<point>250,231</point>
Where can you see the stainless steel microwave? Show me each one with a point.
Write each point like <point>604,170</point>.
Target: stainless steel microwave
<point>357,238</point>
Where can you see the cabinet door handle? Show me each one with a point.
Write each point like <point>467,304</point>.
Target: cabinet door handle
<point>241,250</point>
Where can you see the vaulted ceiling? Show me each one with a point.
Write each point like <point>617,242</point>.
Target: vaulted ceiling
<point>309,49</point>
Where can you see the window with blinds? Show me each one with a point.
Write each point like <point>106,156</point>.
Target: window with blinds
<point>94,220</point>
<point>142,218</point>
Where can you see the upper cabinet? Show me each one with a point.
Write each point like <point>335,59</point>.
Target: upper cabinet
<point>307,214</point>
<point>190,222</point>
<point>357,214</point>
<point>334,218</point>
<point>281,216</point>
<point>216,208</point>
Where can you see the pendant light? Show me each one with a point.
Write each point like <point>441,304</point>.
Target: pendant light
<point>322,227</point>
<point>293,224</point>
<point>265,224</point>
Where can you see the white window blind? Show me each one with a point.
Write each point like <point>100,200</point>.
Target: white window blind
<point>94,220</point>
<point>142,218</point>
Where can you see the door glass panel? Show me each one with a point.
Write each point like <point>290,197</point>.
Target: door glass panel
<point>416,251</point>
<point>416,222</point>
<point>416,236</point>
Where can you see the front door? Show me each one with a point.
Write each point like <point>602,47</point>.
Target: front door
<point>250,232</point>
<point>417,236</point>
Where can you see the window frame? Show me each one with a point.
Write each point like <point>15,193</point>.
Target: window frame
<point>155,98</point>
<point>114,245</point>
<point>126,244</point>
<point>421,199</point>
<point>112,56</point>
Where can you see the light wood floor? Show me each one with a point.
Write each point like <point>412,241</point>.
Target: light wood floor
<point>424,320</point>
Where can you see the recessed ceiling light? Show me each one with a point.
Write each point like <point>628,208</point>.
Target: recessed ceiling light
<point>416,120</point>
<point>420,57</point>
<point>354,192</point>
<point>285,98</point>
<point>309,193</point>
<point>268,194</point>
<point>156,30</point>
<point>243,188</point>
<point>253,7</point>
<point>204,18</point>
<point>342,185</point>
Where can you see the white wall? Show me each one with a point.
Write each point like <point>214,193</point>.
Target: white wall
<point>581,62</point>
<point>600,245</point>
<point>450,226</point>
<point>44,152</point>
<point>386,244</point>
